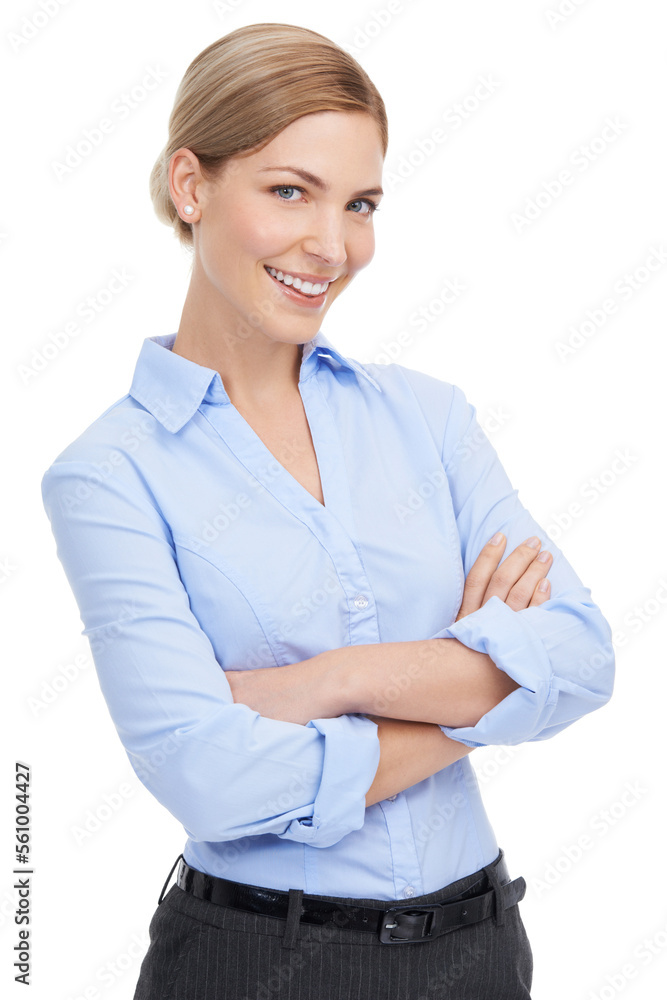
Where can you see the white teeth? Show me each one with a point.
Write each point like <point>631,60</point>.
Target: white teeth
<point>305,287</point>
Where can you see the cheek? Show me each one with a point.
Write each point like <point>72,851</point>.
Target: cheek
<point>341,284</point>
<point>259,233</point>
<point>362,248</point>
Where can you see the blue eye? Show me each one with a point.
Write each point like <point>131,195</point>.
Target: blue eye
<point>372,207</point>
<point>279,188</point>
<point>286,187</point>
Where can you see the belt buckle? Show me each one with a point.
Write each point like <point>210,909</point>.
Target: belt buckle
<point>408,917</point>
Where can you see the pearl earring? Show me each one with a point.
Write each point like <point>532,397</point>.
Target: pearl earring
<point>188,209</point>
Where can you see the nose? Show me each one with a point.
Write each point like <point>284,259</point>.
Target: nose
<point>328,243</point>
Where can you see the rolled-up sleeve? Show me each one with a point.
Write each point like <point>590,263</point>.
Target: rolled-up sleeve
<point>220,768</point>
<point>560,653</point>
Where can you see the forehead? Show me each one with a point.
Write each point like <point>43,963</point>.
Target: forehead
<point>346,141</point>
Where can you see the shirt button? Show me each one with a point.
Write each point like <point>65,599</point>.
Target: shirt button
<point>390,798</point>
<point>360,602</point>
<point>408,891</point>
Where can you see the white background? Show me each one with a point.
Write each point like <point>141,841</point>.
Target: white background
<point>597,921</point>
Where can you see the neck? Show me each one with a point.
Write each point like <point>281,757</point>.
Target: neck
<point>256,371</point>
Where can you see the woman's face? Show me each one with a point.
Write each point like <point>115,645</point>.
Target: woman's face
<point>301,207</point>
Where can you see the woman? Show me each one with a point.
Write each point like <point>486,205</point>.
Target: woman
<point>333,536</point>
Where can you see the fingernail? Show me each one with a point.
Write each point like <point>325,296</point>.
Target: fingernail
<point>543,585</point>
<point>497,538</point>
<point>544,556</point>
<point>534,542</point>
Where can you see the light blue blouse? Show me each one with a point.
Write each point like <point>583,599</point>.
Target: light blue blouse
<point>191,550</point>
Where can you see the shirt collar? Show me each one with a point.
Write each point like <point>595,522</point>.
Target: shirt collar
<point>172,387</point>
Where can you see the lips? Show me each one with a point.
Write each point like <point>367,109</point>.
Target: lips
<point>295,295</point>
<point>306,283</point>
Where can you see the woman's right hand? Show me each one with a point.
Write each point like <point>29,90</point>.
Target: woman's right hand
<point>517,581</point>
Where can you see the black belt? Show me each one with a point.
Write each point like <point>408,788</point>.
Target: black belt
<point>401,924</point>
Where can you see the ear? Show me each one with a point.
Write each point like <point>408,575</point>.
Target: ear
<point>185,183</point>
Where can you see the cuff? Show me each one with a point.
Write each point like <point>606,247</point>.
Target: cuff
<point>515,647</point>
<point>351,758</point>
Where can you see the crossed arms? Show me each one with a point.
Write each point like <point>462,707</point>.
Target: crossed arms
<point>439,679</point>
<point>518,664</point>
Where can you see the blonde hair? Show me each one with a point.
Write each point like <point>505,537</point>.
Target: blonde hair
<point>243,89</point>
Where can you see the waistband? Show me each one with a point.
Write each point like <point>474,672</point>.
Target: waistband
<point>489,891</point>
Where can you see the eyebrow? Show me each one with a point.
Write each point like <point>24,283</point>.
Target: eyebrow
<point>317,181</point>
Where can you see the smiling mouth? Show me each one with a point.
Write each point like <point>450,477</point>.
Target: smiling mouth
<point>307,289</point>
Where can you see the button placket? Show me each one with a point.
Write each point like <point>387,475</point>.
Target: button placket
<point>341,524</point>
<point>401,837</point>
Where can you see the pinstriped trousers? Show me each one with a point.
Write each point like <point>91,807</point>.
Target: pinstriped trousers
<point>203,951</point>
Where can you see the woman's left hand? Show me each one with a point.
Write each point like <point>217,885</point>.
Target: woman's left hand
<point>297,692</point>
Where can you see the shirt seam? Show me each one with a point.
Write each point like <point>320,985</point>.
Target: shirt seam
<point>202,555</point>
<point>142,496</point>
<point>463,790</point>
<point>415,396</point>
